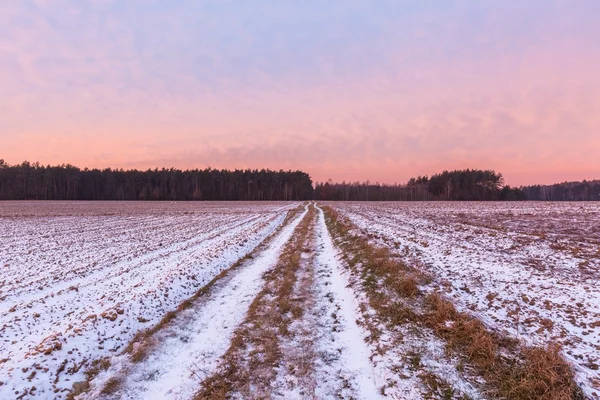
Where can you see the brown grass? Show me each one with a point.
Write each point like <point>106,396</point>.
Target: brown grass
<point>527,373</point>
<point>438,388</point>
<point>248,366</point>
<point>93,370</point>
<point>111,386</point>
<point>544,375</point>
<point>462,333</point>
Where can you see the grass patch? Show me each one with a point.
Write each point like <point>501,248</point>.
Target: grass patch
<point>111,386</point>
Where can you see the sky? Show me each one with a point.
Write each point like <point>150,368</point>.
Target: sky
<point>349,90</point>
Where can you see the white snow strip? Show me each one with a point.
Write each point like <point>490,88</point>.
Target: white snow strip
<point>354,353</point>
<point>190,348</point>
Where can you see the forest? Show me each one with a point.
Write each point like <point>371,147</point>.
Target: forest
<point>566,191</point>
<point>32,181</point>
<point>459,185</point>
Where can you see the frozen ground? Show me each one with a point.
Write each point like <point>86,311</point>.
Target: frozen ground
<point>531,269</point>
<point>78,280</point>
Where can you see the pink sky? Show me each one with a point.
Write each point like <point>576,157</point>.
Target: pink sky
<point>349,91</point>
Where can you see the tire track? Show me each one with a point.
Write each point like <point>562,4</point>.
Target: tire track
<point>190,348</point>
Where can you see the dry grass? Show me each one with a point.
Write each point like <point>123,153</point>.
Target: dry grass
<point>248,366</point>
<point>438,388</point>
<point>462,333</point>
<point>93,370</point>
<point>392,289</point>
<point>543,375</point>
<point>111,386</point>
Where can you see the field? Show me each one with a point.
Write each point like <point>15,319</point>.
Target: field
<point>286,300</point>
<point>529,269</point>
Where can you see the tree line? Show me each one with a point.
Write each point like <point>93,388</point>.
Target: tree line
<point>566,191</point>
<point>32,181</point>
<point>458,185</point>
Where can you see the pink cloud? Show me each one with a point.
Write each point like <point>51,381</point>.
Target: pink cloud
<point>528,107</point>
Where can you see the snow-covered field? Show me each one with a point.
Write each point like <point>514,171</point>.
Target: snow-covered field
<point>191,347</point>
<point>531,269</point>
<point>78,280</point>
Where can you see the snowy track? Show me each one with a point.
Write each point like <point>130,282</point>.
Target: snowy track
<point>190,347</point>
<point>325,355</point>
<point>347,356</point>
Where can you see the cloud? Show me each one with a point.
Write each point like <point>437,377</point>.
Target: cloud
<point>343,89</point>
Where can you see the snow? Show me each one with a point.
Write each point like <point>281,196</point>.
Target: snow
<point>79,280</point>
<point>528,269</point>
<point>75,288</point>
<point>189,349</point>
<point>348,340</point>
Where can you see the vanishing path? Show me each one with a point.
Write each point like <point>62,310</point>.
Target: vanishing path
<point>346,371</point>
<point>324,354</point>
<point>292,322</point>
<point>190,347</point>
<point>302,339</point>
